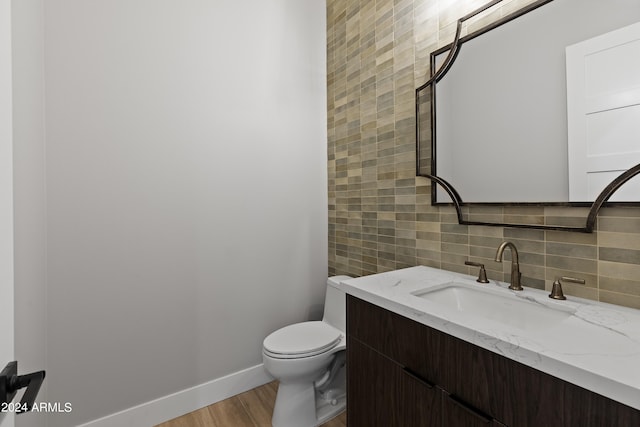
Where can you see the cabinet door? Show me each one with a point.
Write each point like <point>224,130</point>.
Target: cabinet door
<point>381,393</point>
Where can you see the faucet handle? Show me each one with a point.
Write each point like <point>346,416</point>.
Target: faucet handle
<point>556,290</point>
<point>482,275</point>
<point>573,279</point>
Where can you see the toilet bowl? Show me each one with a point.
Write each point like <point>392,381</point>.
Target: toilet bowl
<point>308,360</point>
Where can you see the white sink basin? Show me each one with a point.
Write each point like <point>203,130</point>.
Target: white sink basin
<point>499,305</point>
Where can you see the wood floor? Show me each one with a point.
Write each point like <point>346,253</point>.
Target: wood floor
<point>252,408</point>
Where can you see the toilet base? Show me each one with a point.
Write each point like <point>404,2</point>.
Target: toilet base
<point>330,406</point>
<point>301,405</point>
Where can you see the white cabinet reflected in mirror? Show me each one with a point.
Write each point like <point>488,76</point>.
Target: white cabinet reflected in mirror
<point>500,121</point>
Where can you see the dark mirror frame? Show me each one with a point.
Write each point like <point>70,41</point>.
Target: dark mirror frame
<point>454,49</point>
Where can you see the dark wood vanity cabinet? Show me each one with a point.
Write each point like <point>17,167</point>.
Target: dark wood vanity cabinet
<point>402,373</point>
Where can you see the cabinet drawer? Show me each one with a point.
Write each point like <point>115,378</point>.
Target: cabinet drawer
<point>409,343</point>
<point>382,394</point>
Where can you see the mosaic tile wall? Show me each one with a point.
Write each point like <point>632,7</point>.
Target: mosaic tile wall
<point>380,215</point>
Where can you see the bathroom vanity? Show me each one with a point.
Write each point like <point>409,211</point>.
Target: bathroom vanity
<point>428,347</point>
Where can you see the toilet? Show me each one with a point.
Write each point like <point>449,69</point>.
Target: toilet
<point>309,359</point>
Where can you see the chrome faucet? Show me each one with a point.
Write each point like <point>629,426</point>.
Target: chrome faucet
<point>515,265</point>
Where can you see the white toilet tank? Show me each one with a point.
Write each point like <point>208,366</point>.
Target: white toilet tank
<point>335,305</point>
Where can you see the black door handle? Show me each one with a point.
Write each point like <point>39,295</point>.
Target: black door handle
<point>11,382</point>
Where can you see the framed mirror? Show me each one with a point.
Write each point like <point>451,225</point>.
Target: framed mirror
<point>495,122</point>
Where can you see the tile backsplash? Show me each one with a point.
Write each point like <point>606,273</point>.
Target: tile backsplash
<point>380,214</point>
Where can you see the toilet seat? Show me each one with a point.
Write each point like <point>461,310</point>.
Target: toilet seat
<point>302,340</point>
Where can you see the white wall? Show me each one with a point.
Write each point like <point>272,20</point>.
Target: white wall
<point>6,205</point>
<point>186,191</point>
<point>29,193</point>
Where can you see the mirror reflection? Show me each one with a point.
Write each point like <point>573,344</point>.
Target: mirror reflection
<point>542,109</point>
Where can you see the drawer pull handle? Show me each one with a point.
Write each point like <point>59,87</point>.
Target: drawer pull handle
<point>418,378</point>
<point>473,411</point>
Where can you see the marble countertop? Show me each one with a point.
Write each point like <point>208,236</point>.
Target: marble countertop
<point>595,345</point>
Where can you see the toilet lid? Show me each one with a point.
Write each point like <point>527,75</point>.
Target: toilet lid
<point>303,339</point>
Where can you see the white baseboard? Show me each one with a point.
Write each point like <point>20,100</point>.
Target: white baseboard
<point>185,401</point>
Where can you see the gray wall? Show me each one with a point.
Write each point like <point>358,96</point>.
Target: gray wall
<point>184,213</point>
